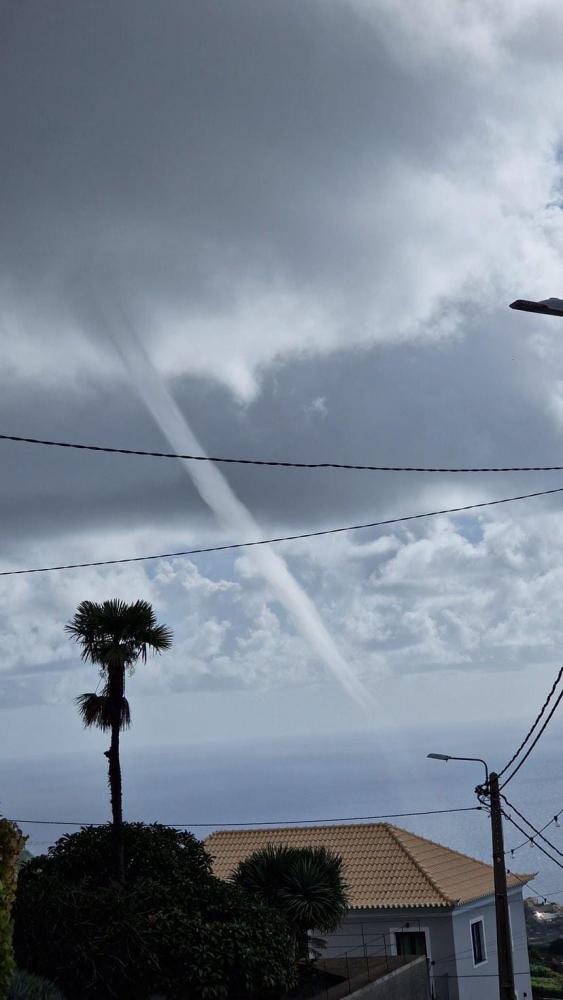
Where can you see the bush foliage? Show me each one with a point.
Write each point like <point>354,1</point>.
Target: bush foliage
<point>172,928</point>
<point>24,986</point>
<point>11,845</point>
<point>305,884</point>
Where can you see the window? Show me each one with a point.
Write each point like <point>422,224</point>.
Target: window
<point>478,941</point>
<point>410,942</point>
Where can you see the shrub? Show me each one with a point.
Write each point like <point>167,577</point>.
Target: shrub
<point>304,884</point>
<point>539,969</point>
<point>172,928</point>
<point>151,851</point>
<point>11,845</point>
<point>24,986</point>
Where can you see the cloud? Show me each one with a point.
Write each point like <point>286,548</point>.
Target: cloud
<point>485,35</point>
<point>361,197</point>
<point>316,215</point>
<point>317,407</point>
<point>429,600</point>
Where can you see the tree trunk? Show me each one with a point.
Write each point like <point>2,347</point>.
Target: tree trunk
<point>116,694</point>
<point>302,944</point>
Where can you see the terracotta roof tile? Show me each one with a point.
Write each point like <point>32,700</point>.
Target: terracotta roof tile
<point>384,865</point>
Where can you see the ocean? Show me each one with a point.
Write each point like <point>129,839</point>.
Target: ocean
<point>286,780</point>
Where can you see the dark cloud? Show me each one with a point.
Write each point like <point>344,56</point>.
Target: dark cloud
<point>215,133</point>
<point>290,203</point>
<point>387,405</point>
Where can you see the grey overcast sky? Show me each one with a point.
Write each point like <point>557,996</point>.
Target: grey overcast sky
<point>313,214</point>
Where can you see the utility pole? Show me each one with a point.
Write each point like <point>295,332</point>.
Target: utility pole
<point>504,943</point>
<point>490,790</point>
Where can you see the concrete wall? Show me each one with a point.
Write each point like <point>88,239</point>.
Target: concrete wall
<point>449,945</point>
<point>374,932</point>
<point>408,983</point>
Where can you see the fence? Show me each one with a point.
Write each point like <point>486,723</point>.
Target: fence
<point>368,962</point>
<point>405,977</point>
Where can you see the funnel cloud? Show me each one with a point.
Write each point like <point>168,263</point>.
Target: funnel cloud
<point>233,517</point>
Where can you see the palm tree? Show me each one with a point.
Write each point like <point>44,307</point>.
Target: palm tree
<point>305,883</point>
<point>114,635</point>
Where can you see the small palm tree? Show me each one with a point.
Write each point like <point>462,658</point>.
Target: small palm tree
<point>305,883</point>
<point>114,635</point>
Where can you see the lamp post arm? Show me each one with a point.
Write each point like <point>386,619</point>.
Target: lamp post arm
<point>478,760</point>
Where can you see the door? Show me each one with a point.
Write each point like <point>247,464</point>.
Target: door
<point>410,942</point>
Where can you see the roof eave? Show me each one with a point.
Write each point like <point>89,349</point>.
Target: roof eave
<point>387,907</point>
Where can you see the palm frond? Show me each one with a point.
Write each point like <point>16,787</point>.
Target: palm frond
<point>306,884</point>
<point>96,710</point>
<point>115,632</point>
<point>313,891</point>
<point>263,872</point>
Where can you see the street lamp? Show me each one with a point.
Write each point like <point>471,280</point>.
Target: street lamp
<point>549,307</point>
<point>478,760</point>
<point>504,944</point>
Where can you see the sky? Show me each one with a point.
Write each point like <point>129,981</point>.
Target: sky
<point>310,217</point>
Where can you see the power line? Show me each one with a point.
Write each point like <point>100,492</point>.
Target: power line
<point>542,894</point>
<point>529,884</point>
<point>538,736</point>
<point>274,462</point>
<point>554,819</point>
<point>282,538</point>
<point>538,833</point>
<point>387,937</point>
<point>535,723</point>
<point>480,975</point>
<point>508,817</point>
<point>269,822</point>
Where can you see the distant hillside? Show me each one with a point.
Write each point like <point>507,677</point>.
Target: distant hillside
<point>544,922</point>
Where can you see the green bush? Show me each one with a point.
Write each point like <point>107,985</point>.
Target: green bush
<point>11,845</point>
<point>24,986</point>
<point>538,969</point>
<point>153,851</point>
<point>172,928</point>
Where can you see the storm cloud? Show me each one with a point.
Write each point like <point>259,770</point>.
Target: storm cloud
<point>314,216</point>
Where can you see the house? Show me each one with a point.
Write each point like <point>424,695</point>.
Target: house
<point>408,895</point>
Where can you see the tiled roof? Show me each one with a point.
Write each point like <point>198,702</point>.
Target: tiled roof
<point>384,866</point>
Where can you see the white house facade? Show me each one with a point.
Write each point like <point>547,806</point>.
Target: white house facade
<point>459,942</point>
<point>408,896</point>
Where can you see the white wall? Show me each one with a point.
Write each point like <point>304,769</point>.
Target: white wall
<point>486,988</point>
<point>520,945</point>
<point>374,929</point>
<point>448,942</point>
<point>481,982</point>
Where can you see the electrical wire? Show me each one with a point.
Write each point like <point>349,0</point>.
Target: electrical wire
<point>554,819</point>
<point>529,884</point>
<point>535,723</point>
<point>282,538</point>
<point>509,819</point>
<point>534,742</point>
<point>273,462</point>
<point>529,840</point>
<point>269,822</point>
<point>524,882</point>
<point>387,938</point>
<point>538,833</point>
